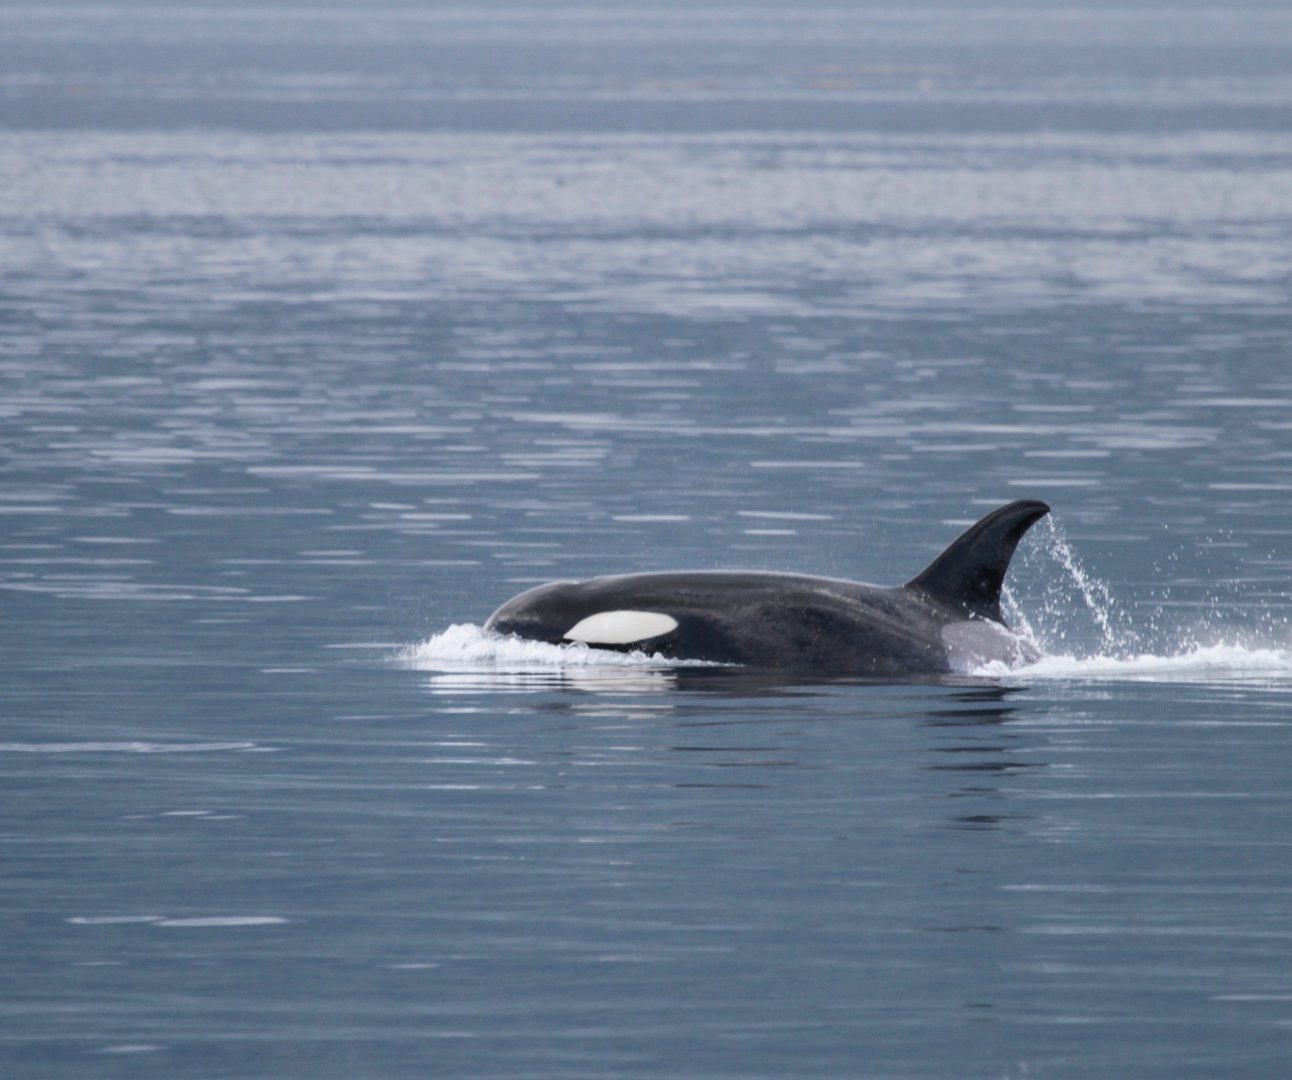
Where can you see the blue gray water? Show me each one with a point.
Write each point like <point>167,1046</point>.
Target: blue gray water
<point>324,329</point>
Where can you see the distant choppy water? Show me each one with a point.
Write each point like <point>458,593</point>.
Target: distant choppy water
<point>323,330</point>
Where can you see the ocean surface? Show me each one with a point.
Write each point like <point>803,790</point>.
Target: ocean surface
<point>326,328</point>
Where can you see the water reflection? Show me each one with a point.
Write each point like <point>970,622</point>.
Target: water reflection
<point>689,718</point>
<point>982,747</point>
<point>975,707</point>
<point>629,677</point>
<point>593,680</point>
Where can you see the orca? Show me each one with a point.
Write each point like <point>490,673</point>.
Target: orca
<point>947,619</point>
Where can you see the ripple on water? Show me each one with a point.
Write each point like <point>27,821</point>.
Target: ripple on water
<point>131,747</point>
<point>196,921</point>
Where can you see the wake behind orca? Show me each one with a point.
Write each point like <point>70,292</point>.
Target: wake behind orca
<point>945,619</point>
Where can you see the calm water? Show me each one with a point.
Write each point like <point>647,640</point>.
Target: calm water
<point>323,330</point>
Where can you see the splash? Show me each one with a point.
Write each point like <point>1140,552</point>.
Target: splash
<point>1070,603</point>
<point>1082,632</point>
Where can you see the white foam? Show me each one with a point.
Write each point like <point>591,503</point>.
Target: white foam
<point>1201,663</point>
<point>467,647</point>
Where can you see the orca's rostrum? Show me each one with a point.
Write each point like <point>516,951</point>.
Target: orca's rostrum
<point>946,619</point>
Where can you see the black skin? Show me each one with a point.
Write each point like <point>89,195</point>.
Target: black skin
<point>798,622</point>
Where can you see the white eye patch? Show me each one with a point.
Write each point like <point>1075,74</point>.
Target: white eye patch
<point>620,627</point>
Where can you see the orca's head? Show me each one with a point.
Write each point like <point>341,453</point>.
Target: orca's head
<point>543,613</point>
<point>562,612</point>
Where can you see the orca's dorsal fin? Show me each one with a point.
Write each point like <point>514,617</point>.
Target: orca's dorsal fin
<point>969,574</point>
